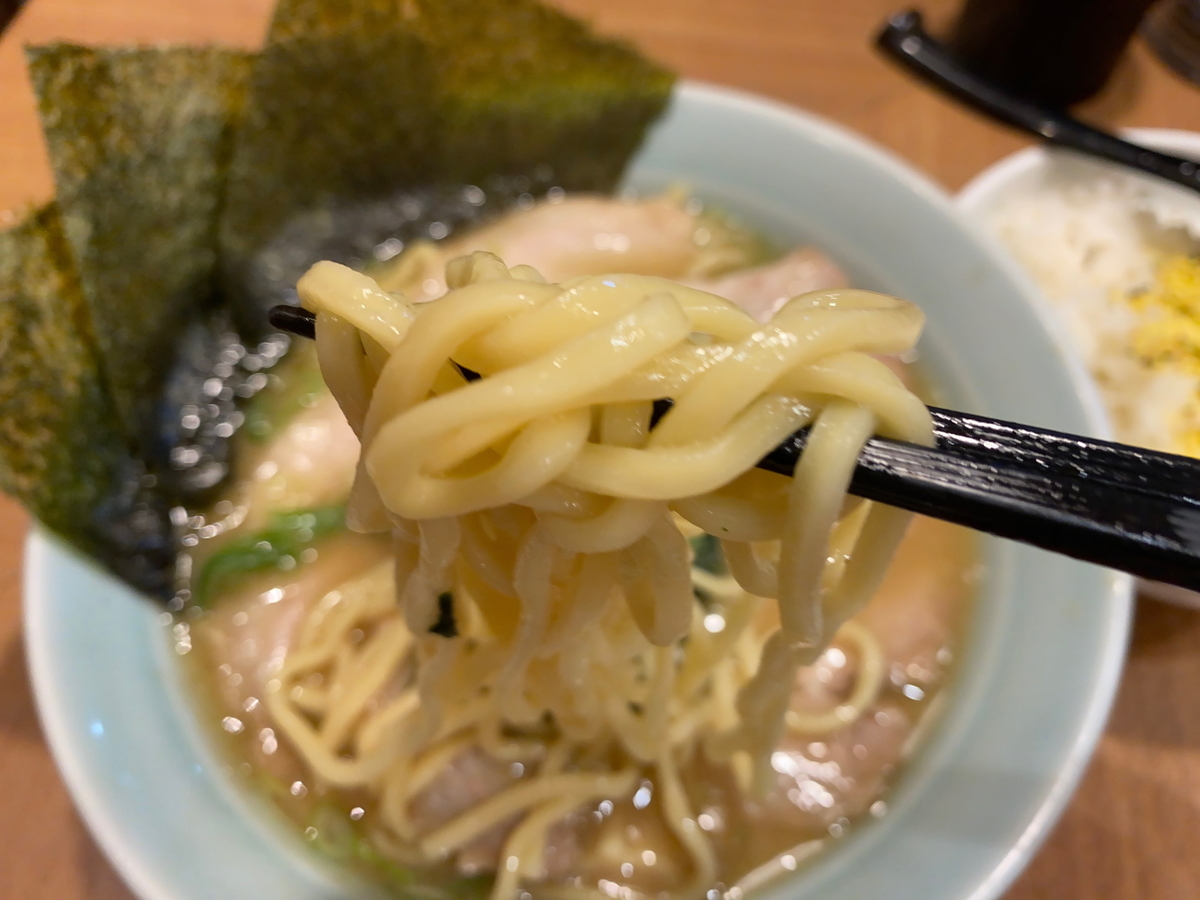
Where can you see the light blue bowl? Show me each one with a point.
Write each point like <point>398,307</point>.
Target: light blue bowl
<point>1045,648</point>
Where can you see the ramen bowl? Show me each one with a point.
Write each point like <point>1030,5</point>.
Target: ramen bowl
<point>1038,671</point>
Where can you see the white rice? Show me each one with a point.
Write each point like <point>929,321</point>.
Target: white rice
<point>1083,233</point>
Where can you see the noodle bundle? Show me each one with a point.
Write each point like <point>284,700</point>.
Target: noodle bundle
<point>544,602</point>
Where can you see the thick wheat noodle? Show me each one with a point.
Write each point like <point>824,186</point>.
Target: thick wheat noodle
<point>679,817</point>
<point>409,778</point>
<point>868,680</point>
<point>518,798</point>
<point>335,769</point>
<point>522,854</point>
<point>541,502</point>
<point>379,658</point>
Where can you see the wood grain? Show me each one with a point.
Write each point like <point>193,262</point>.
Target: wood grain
<point>1130,831</point>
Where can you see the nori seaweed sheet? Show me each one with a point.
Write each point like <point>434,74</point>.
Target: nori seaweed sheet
<point>139,141</point>
<point>340,107</point>
<point>517,86</point>
<point>64,455</point>
<point>528,90</point>
<point>177,167</point>
<point>61,446</point>
<point>358,101</point>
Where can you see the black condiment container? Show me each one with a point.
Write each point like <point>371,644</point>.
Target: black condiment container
<point>1057,52</point>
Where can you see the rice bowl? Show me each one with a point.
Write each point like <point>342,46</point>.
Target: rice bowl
<point>1112,252</point>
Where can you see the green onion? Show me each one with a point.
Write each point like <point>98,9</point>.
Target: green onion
<point>341,840</point>
<point>280,545</point>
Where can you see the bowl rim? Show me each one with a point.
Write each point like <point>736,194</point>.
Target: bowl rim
<point>96,813</point>
<point>123,849</point>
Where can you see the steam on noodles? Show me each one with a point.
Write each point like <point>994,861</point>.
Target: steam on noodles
<point>543,601</point>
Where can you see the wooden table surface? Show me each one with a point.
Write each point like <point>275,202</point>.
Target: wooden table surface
<point>1133,829</point>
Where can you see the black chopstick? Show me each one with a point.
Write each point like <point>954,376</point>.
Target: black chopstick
<point>295,320</point>
<point>1148,532</point>
<point>1064,455</point>
<point>1118,506</point>
<point>903,38</point>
